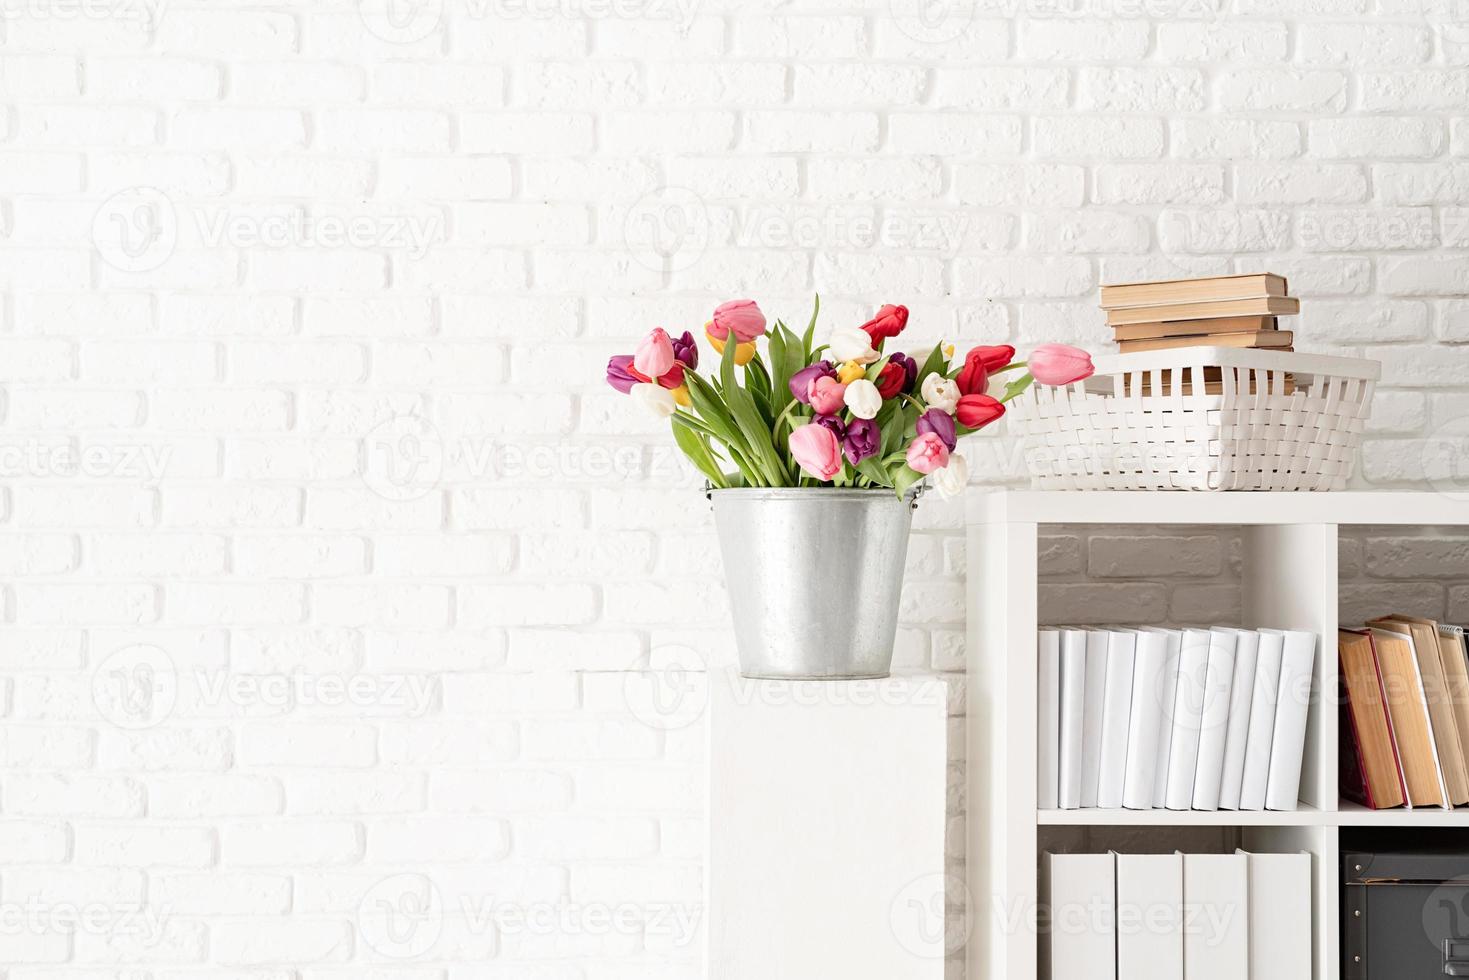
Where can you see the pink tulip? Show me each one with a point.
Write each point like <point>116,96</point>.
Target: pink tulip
<point>928,453</point>
<point>827,395</point>
<point>742,316</point>
<point>817,450</point>
<point>1059,364</point>
<point>654,357</point>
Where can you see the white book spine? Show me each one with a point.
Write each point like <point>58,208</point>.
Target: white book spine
<point>1073,705</point>
<point>1241,700</point>
<point>1262,721</point>
<point>1280,916</point>
<point>1167,691</point>
<point>1145,725</point>
<point>1188,706</point>
<point>1216,917</point>
<point>1116,717</point>
<point>1048,720</point>
<point>1150,916</point>
<point>1214,720</point>
<point>1097,643</point>
<point>1082,894</point>
<point>1292,707</point>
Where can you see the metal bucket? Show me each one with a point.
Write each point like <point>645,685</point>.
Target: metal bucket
<point>814,578</point>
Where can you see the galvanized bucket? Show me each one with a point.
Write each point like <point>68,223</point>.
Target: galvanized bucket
<point>814,578</point>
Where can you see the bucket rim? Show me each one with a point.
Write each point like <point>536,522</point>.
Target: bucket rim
<point>806,493</point>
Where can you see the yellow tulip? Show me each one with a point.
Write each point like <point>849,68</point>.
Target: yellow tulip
<point>743,352</point>
<point>849,371</point>
<point>681,395</point>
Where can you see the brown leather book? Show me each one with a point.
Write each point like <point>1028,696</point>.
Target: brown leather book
<point>1424,637</point>
<point>1272,339</point>
<point>1260,306</point>
<point>1193,290</point>
<point>1190,328</point>
<point>1366,724</point>
<point>1408,710</point>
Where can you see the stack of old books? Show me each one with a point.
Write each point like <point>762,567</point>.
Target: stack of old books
<point>1221,311</point>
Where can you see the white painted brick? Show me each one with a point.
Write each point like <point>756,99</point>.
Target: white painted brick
<point>956,134</point>
<point>228,33</point>
<point>1141,89</point>
<point>355,793</point>
<point>1214,41</point>
<point>290,844</point>
<point>285,82</point>
<point>1375,137</point>
<point>1171,183</point>
<point>303,176</point>
<point>198,796</point>
<point>828,35</point>
<point>107,845</point>
<point>1121,137</point>
<point>526,132</point>
<point>1002,88</point>
<point>35,76</point>
<point>1256,89</point>
<point>72,795</point>
<point>1224,230</point>
<point>1289,183</point>
<point>1058,39</point>
<point>234,893</point>
<point>1029,185</point>
<point>1087,231</point>
<point>1362,44</point>
<point>1414,91</point>
<point>1422,183</point>
<point>441,839</point>
<point>351,131</point>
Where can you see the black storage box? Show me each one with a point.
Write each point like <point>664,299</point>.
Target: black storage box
<point>1405,914</point>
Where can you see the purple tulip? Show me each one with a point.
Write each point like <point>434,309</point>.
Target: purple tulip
<point>941,424</point>
<point>619,373</point>
<point>801,380</point>
<point>910,370</point>
<point>837,426</point>
<point>861,441</point>
<point>685,351</point>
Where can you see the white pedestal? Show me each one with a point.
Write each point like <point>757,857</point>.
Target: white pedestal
<point>826,817</point>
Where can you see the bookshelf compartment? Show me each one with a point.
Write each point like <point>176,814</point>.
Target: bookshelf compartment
<point>1289,546</point>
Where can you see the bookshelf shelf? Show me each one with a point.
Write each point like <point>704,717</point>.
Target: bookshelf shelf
<point>1092,817</point>
<point>1289,580</point>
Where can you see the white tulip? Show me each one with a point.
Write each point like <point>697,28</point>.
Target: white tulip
<point>863,398</point>
<point>851,344</point>
<point>655,398</point>
<point>940,392</point>
<point>952,479</point>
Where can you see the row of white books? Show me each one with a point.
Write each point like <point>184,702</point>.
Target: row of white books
<point>1182,719</point>
<point>1234,916</point>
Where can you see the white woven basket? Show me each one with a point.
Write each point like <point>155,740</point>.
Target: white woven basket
<point>1146,422</point>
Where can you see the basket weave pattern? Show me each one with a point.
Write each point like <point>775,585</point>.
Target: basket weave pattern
<point>1148,422</point>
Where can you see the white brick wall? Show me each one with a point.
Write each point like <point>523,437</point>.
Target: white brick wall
<point>326,553</point>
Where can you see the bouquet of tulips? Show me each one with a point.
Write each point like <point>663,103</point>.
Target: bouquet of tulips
<point>843,414</point>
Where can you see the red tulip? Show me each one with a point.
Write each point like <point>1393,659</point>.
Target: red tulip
<point>889,322</point>
<point>891,380</point>
<point>979,364</point>
<point>978,411</point>
<point>1060,364</point>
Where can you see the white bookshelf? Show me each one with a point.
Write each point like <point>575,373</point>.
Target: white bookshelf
<point>1289,580</point>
